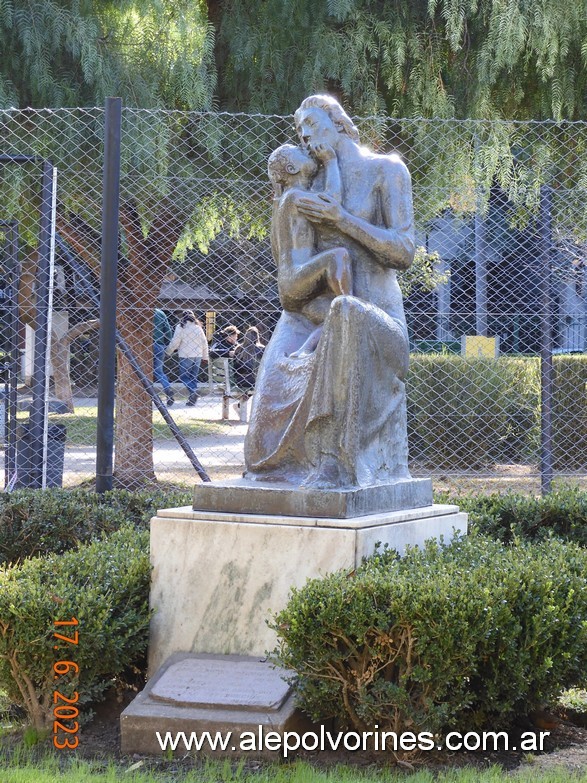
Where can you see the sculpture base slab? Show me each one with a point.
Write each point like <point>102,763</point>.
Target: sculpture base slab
<point>211,693</point>
<point>218,577</point>
<point>251,497</point>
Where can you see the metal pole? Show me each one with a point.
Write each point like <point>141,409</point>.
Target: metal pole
<point>108,285</point>
<point>480,258</point>
<point>480,273</point>
<point>49,327</point>
<point>11,402</point>
<point>38,415</point>
<point>546,363</point>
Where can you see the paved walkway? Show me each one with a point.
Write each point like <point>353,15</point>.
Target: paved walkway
<point>220,453</point>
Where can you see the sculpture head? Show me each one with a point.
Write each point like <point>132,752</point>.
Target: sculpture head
<point>322,120</point>
<point>289,165</point>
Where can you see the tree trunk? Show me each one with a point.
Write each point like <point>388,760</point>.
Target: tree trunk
<point>134,430</point>
<point>140,282</point>
<point>60,363</point>
<point>60,354</point>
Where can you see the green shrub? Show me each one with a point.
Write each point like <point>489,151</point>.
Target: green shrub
<point>512,516</point>
<point>105,586</point>
<point>472,412</point>
<point>569,413</point>
<point>34,522</point>
<point>476,412</point>
<point>469,635</point>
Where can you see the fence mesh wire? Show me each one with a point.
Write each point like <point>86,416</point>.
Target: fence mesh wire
<point>195,218</point>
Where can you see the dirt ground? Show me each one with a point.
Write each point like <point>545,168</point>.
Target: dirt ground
<point>504,478</point>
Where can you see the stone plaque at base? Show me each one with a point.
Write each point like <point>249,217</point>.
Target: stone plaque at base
<point>220,683</point>
<point>245,696</point>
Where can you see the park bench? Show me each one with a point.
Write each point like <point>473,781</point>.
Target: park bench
<point>220,373</point>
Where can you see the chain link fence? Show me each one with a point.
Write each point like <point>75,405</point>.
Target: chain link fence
<point>496,301</point>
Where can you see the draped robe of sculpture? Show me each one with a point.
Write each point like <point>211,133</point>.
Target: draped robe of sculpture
<point>336,418</point>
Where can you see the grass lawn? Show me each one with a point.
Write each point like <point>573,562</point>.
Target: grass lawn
<point>81,426</point>
<point>54,770</point>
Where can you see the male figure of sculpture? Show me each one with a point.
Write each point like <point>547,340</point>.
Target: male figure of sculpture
<point>335,417</point>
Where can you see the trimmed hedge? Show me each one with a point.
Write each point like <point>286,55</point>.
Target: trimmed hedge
<point>569,415</point>
<point>512,516</point>
<point>472,412</point>
<point>105,586</point>
<point>476,412</point>
<point>465,636</point>
<point>74,554</point>
<point>35,522</point>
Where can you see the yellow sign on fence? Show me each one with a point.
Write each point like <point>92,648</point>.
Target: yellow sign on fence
<point>210,324</point>
<point>476,347</point>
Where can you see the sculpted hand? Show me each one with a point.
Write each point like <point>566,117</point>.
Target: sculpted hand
<point>322,152</point>
<point>320,208</point>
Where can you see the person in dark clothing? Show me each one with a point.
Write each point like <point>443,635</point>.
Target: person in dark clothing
<point>224,342</point>
<point>161,337</point>
<point>246,358</point>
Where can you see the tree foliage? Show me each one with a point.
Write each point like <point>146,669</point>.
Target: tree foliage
<point>152,54</point>
<point>432,58</point>
<point>482,60</point>
<point>442,58</point>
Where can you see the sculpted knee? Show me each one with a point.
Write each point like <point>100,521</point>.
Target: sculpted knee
<point>340,307</point>
<point>346,306</point>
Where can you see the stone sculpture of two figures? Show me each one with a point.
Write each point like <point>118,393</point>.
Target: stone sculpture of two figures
<point>330,405</point>
<point>326,451</point>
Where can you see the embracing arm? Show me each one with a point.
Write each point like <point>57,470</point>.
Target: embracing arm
<point>292,233</point>
<point>392,244</point>
<point>274,233</point>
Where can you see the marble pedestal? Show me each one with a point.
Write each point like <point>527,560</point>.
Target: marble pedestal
<point>217,576</point>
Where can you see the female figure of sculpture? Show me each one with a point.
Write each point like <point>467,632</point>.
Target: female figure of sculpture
<point>336,417</point>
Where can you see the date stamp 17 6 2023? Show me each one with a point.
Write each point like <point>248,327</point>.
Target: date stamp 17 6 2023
<point>65,725</point>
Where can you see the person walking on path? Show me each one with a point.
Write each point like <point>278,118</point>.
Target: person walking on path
<point>161,336</point>
<point>191,345</point>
